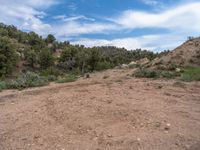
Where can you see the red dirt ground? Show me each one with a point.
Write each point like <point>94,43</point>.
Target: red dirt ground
<point>109,111</point>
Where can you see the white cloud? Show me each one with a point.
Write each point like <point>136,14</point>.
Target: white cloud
<point>74,28</point>
<point>149,42</point>
<point>185,17</point>
<point>73,18</point>
<point>30,3</point>
<point>25,14</point>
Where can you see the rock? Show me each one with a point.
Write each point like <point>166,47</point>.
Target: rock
<point>87,75</point>
<point>167,127</point>
<point>109,135</point>
<point>133,63</point>
<point>124,66</point>
<point>178,70</point>
<point>157,124</point>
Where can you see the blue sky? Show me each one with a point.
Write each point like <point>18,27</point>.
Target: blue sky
<point>148,24</point>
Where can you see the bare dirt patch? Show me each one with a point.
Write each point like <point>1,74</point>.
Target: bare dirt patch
<point>115,113</point>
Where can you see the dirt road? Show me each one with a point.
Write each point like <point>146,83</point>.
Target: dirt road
<point>109,111</point>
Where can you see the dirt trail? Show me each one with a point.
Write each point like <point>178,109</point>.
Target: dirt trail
<point>109,111</point>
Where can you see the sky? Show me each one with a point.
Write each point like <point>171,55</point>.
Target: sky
<point>148,24</point>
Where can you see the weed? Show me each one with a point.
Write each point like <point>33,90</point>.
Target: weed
<point>67,78</point>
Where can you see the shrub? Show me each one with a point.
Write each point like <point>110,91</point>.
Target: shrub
<point>172,67</point>
<point>2,85</point>
<point>51,78</point>
<point>28,79</point>
<point>46,59</point>
<point>168,74</point>
<point>31,57</point>
<point>132,66</point>
<point>8,56</point>
<point>191,74</point>
<point>51,71</point>
<point>144,73</point>
<point>67,78</point>
<point>103,66</point>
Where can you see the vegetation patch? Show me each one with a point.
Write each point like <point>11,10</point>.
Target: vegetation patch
<point>25,80</point>
<point>169,74</point>
<point>67,78</point>
<point>2,85</point>
<point>145,73</point>
<point>191,74</point>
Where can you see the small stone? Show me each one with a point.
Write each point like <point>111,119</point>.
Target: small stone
<point>166,131</point>
<point>109,135</point>
<point>138,139</point>
<point>24,139</point>
<point>157,124</point>
<point>168,125</point>
<point>36,136</point>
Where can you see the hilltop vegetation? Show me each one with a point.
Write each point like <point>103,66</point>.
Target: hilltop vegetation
<point>22,52</point>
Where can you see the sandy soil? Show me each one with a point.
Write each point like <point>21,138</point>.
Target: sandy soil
<point>109,111</point>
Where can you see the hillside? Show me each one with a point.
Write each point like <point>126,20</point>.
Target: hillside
<point>187,54</point>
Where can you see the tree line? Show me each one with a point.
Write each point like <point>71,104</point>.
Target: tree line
<point>22,51</point>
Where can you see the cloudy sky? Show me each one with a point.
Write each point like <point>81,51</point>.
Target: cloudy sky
<point>149,24</point>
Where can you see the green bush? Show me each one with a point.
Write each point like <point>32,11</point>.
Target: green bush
<point>103,66</point>
<point>51,71</point>
<point>46,59</point>
<point>191,74</point>
<point>2,85</point>
<point>168,74</point>
<point>8,56</point>
<point>67,78</point>
<point>26,80</point>
<point>31,57</point>
<point>144,73</point>
<point>172,67</point>
<point>51,78</point>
